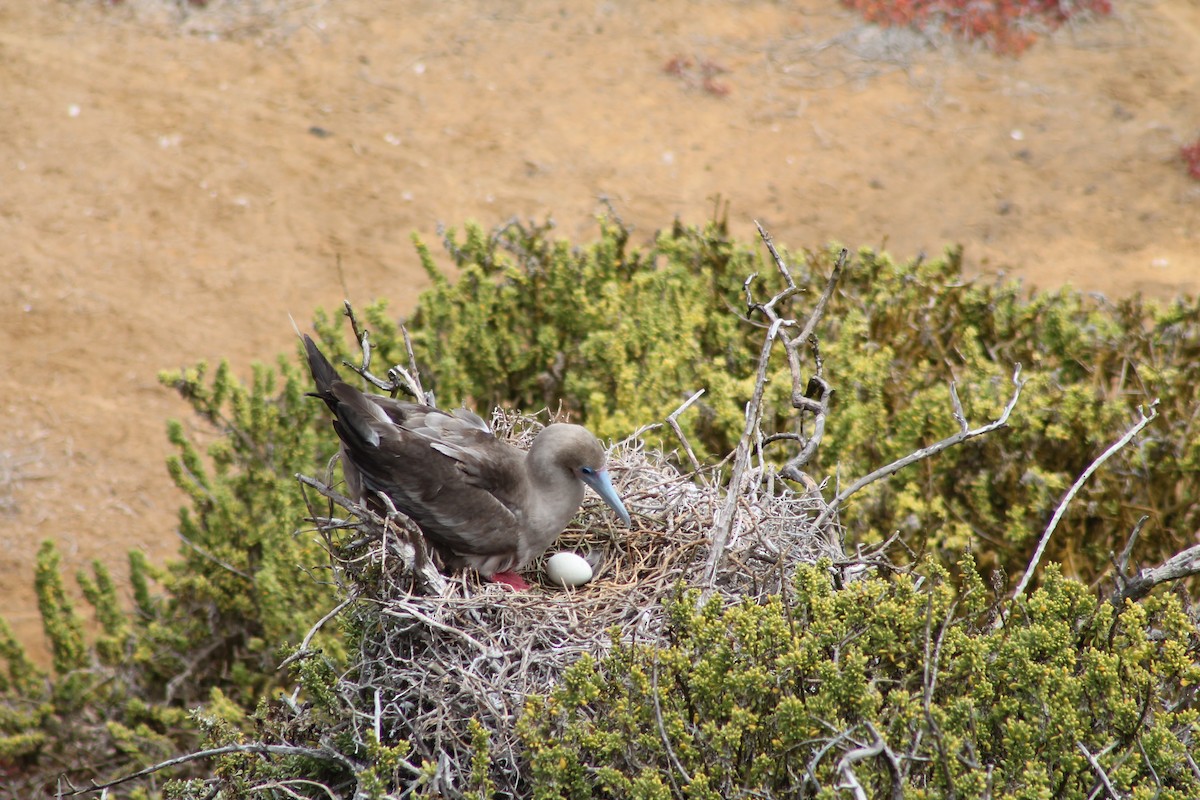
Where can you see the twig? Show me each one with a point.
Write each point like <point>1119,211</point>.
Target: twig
<point>673,421</point>
<point>779,263</point>
<point>893,764</point>
<point>420,564</point>
<point>876,748</point>
<point>1180,565</point>
<point>723,523</point>
<point>401,609</point>
<point>724,518</point>
<point>218,561</point>
<point>963,435</point>
<point>302,650</point>
<point>820,394</point>
<point>810,769</point>
<point>337,497</point>
<point>413,375</point>
<point>662,731</point>
<point>1112,792</point>
<point>1070,495</point>
<point>399,378</point>
<point>254,749</point>
<point>1192,761</point>
<point>1122,563</point>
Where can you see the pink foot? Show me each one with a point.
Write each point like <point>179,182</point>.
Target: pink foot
<point>510,579</point>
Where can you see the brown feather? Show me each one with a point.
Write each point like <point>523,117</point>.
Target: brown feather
<point>481,502</point>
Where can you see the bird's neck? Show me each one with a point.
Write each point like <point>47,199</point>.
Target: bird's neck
<point>556,495</point>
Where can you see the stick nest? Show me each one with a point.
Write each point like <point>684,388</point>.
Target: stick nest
<point>435,651</point>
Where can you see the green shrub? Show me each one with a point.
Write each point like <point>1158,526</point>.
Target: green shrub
<point>232,597</point>
<point>898,334</point>
<point>767,700</point>
<point>211,624</point>
<point>613,335</point>
<point>94,713</point>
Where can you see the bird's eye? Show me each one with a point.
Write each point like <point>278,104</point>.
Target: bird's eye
<point>587,470</point>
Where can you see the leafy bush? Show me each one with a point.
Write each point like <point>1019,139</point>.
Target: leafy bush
<point>96,710</point>
<point>244,570</point>
<point>615,335</point>
<point>908,687</point>
<point>208,628</point>
<point>914,685</point>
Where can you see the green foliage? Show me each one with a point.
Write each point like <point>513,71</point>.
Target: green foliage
<point>209,625</point>
<point>64,629</point>
<point>970,700</point>
<point>94,714</point>
<point>898,334</point>
<point>243,573</point>
<point>20,674</point>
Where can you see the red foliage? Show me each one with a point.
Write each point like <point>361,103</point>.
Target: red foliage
<point>999,22</point>
<point>699,75</point>
<point>1191,157</point>
<point>677,66</point>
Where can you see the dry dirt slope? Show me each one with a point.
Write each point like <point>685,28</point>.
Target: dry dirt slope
<point>164,199</point>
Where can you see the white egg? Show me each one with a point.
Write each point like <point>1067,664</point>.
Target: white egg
<point>568,569</point>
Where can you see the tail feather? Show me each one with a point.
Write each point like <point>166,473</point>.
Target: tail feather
<point>324,375</point>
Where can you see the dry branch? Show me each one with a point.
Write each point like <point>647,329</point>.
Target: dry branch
<point>399,378</point>
<point>723,523</point>
<point>964,433</point>
<point>1179,566</point>
<point>877,747</point>
<point>1112,793</point>
<point>1125,439</point>
<point>322,754</point>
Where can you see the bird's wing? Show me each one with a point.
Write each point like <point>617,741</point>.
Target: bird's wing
<point>486,463</point>
<point>446,471</point>
<point>460,484</point>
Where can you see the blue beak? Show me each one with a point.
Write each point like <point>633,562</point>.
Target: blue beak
<point>602,485</point>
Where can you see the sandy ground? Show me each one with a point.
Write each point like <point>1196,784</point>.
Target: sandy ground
<point>174,182</point>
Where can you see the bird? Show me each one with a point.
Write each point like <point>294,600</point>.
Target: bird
<point>479,501</point>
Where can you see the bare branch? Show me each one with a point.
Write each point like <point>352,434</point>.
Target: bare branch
<point>255,749</point>
<point>1070,495</point>
<point>673,421</point>
<point>413,375</point>
<point>411,548</point>
<point>399,378</point>
<point>1122,563</point>
<point>662,731</point>
<point>1112,792</point>
<point>779,263</point>
<point>959,414</point>
<point>303,650</point>
<point>878,747</point>
<point>925,452</point>
<point>812,397</point>
<point>1180,565</point>
<point>818,312</point>
<point>819,395</point>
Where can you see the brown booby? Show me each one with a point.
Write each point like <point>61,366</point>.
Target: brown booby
<point>480,502</point>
